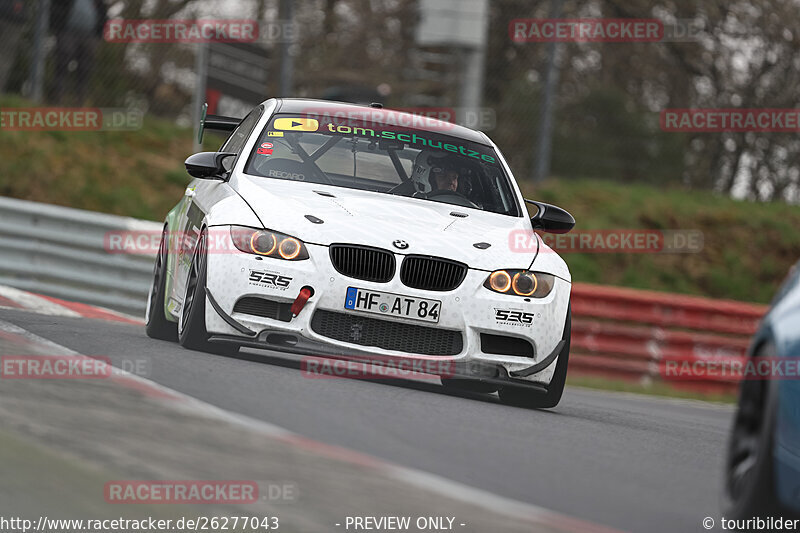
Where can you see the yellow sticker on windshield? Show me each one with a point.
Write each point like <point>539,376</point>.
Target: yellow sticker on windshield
<point>296,124</point>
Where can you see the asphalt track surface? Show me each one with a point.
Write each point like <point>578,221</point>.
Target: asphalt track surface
<point>629,462</point>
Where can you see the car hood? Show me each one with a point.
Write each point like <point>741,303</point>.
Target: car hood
<point>375,219</point>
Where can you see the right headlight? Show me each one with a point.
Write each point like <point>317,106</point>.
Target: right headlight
<point>268,243</point>
<point>520,283</point>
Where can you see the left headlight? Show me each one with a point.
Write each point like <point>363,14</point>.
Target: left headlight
<point>520,283</point>
<point>268,243</point>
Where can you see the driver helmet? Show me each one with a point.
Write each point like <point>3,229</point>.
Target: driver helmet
<point>426,165</point>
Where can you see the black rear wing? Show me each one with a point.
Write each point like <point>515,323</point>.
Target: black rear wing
<point>215,123</point>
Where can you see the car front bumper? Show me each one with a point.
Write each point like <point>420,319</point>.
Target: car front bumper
<point>324,326</point>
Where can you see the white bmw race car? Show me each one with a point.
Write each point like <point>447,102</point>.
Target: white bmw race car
<point>342,231</point>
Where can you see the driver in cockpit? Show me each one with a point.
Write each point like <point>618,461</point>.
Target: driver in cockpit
<point>444,178</point>
<point>435,172</point>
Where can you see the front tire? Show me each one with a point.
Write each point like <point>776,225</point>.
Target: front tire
<point>523,397</point>
<point>192,333</point>
<point>749,489</point>
<point>156,324</point>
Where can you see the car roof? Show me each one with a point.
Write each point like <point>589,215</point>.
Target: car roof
<point>321,107</point>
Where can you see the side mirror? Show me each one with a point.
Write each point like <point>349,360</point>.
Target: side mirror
<point>207,165</point>
<point>551,218</point>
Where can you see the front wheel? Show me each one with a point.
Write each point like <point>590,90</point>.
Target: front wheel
<point>523,397</point>
<point>192,333</point>
<point>749,488</point>
<point>156,324</point>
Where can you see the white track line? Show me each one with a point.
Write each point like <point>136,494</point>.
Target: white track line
<point>55,349</point>
<point>31,302</point>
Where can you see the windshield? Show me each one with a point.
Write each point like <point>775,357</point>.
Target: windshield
<point>385,159</point>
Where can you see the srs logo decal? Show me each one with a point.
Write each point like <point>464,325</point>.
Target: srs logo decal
<point>270,280</point>
<point>513,317</point>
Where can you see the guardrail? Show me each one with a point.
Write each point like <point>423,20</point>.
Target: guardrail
<point>60,251</point>
<point>616,333</point>
<point>634,334</point>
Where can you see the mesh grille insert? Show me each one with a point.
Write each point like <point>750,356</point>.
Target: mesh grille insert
<point>395,336</point>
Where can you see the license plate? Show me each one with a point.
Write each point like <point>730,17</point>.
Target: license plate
<point>388,304</point>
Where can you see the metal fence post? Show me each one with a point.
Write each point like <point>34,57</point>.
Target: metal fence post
<point>287,57</point>
<point>36,79</point>
<point>544,137</point>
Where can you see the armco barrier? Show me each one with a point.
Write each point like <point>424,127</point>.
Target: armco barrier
<point>60,252</point>
<point>616,333</point>
<point>631,334</point>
